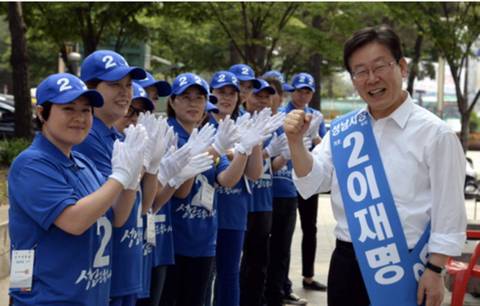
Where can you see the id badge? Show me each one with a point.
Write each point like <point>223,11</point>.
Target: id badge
<point>21,273</point>
<point>206,197</point>
<point>151,229</point>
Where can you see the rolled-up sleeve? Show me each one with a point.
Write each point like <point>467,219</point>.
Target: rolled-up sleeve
<point>446,161</point>
<point>319,179</point>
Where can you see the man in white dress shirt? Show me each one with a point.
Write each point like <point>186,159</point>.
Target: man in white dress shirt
<point>423,161</point>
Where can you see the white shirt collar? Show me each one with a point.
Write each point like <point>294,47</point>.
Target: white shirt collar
<point>401,114</point>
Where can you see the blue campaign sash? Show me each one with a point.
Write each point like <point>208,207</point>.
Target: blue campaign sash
<point>389,270</point>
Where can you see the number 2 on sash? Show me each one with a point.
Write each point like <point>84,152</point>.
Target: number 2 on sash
<point>358,141</point>
<point>100,259</point>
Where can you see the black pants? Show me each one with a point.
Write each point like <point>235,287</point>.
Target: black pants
<point>253,270</point>
<point>159,274</point>
<point>283,226</point>
<point>345,282</point>
<point>187,281</point>
<point>308,219</point>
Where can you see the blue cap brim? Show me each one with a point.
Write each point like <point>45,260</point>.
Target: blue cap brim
<point>212,99</point>
<point>122,71</point>
<point>209,107</point>
<point>300,86</point>
<point>93,96</point>
<point>149,106</point>
<point>226,84</point>
<point>270,90</point>
<point>180,90</point>
<point>287,87</point>
<point>163,88</point>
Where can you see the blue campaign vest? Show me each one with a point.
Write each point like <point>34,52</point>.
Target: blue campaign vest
<point>164,251</point>
<point>389,270</point>
<point>194,227</point>
<point>232,203</point>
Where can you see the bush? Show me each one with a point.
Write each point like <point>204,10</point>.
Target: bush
<point>10,148</point>
<point>474,122</point>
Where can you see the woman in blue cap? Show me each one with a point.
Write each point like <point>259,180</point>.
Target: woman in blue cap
<point>248,82</point>
<point>154,88</point>
<point>50,186</point>
<point>232,207</point>
<point>256,246</point>
<point>193,206</point>
<point>109,73</point>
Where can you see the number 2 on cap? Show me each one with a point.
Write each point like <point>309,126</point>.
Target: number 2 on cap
<point>64,84</point>
<point>109,61</point>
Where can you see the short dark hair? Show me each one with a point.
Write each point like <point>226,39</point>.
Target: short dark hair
<point>170,110</point>
<point>92,84</point>
<point>45,113</point>
<point>382,34</point>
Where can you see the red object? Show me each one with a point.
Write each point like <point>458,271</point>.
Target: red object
<point>461,272</point>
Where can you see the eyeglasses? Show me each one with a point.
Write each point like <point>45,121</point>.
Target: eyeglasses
<point>378,69</point>
<point>132,111</point>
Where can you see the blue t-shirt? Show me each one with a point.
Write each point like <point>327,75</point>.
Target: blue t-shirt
<point>232,203</point>
<point>262,188</point>
<point>127,240</point>
<point>68,269</point>
<point>194,226</point>
<point>164,251</point>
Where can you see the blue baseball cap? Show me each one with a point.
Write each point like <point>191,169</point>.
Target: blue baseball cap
<point>303,80</point>
<point>244,73</point>
<point>224,78</point>
<point>275,74</point>
<point>211,108</point>
<point>64,88</point>
<point>264,85</point>
<point>163,88</point>
<point>140,94</point>
<point>106,65</point>
<point>185,80</point>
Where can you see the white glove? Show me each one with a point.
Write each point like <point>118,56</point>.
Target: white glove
<point>172,163</point>
<point>226,136</point>
<point>249,135</point>
<point>199,141</point>
<point>276,145</point>
<point>127,157</point>
<point>197,164</point>
<point>274,123</point>
<point>315,123</point>
<point>160,136</point>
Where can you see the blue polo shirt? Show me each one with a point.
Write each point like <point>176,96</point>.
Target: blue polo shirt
<point>68,269</point>
<point>164,251</point>
<point>194,227</point>
<point>232,203</point>
<point>127,240</point>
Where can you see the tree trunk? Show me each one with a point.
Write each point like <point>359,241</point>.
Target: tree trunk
<point>315,71</point>
<point>414,65</point>
<point>19,62</point>
<point>465,131</point>
<point>315,68</point>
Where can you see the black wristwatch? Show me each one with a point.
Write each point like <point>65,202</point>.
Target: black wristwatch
<point>434,268</point>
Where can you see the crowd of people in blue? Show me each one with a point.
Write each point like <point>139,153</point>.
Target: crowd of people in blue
<point>115,205</point>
